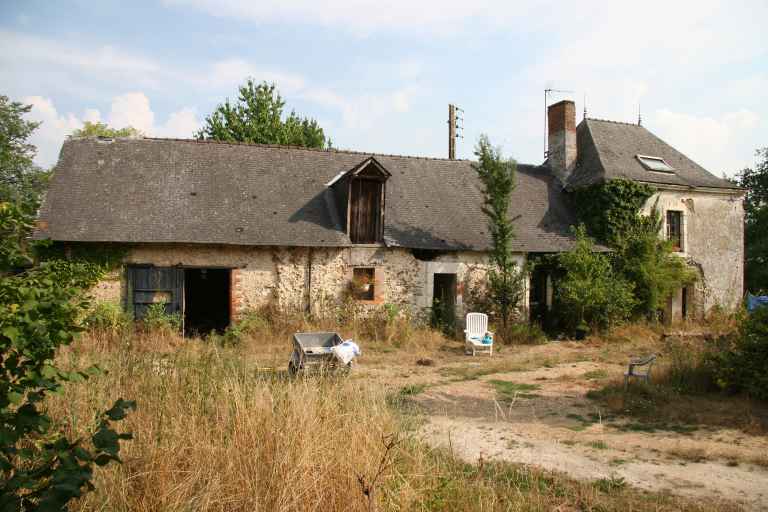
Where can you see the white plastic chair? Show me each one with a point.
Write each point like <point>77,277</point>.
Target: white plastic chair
<point>476,330</point>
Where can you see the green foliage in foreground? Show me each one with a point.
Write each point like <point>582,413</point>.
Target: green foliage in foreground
<point>158,319</point>
<point>591,293</point>
<point>740,365</point>
<point>257,116</point>
<point>40,468</point>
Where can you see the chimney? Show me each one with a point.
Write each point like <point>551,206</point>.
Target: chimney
<point>561,149</point>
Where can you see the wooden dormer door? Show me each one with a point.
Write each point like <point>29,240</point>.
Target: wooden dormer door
<point>365,214</point>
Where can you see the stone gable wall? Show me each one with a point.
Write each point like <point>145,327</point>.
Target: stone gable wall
<point>713,241</point>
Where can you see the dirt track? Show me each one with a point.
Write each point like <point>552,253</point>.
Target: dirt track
<point>556,427</point>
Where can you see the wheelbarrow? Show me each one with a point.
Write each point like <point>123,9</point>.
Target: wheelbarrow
<point>314,351</point>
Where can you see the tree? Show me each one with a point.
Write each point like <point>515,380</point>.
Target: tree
<point>649,263</point>
<point>40,310</point>
<point>97,129</point>
<point>591,293</point>
<point>505,278</point>
<point>257,116</point>
<point>611,213</point>
<point>755,181</point>
<point>21,181</point>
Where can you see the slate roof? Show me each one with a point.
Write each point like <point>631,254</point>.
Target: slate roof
<point>608,150</point>
<point>186,191</point>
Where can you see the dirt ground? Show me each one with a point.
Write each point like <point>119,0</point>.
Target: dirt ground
<point>529,405</point>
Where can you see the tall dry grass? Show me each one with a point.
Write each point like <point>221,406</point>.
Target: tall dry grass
<point>215,429</point>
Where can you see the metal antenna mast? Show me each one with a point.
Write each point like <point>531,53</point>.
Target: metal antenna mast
<point>546,97</point>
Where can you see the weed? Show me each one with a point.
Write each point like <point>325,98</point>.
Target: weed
<point>412,389</point>
<point>508,391</point>
<point>596,375</point>
<point>610,484</point>
<point>598,445</point>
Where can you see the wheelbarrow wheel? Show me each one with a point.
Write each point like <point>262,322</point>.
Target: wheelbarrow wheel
<point>292,368</point>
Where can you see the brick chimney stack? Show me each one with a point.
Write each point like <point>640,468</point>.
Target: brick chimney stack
<point>561,149</point>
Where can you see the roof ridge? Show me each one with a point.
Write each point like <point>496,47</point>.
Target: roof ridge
<point>275,146</point>
<point>614,122</point>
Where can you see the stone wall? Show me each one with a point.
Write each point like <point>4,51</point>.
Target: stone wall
<point>713,242</point>
<point>298,278</point>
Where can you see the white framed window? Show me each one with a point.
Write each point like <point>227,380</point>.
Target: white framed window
<point>655,163</point>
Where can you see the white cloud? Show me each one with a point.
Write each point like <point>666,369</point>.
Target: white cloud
<point>233,72</point>
<point>710,141</point>
<point>181,124</point>
<point>52,130</point>
<point>104,58</point>
<point>132,109</point>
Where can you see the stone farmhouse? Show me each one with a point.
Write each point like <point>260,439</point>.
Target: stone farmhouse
<point>214,229</point>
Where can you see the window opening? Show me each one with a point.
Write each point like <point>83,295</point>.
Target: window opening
<point>675,229</point>
<point>363,283</point>
<point>654,163</point>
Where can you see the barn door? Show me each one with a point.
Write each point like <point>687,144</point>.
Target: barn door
<point>365,212</point>
<point>152,285</point>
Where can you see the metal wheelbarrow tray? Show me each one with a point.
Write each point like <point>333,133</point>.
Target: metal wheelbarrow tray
<point>314,350</point>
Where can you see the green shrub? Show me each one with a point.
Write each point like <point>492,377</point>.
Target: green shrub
<point>248,323</point>
<point>107,316</point>
<point>591,294</point>
<point>521,334</point>
<point>158,318</point>
<point>741,362</point>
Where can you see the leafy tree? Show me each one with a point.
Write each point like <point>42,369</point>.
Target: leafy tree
<point>97,129</point>
<point>257,116</point>
<point>611,213</point>
<point>506,283</point>
<point>40,310</point>
<point>648,262</point>
<point>21,181</point>
<point>755,181</point>
<point>591,293</point>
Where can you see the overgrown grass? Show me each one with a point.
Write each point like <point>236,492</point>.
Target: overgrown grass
<point>219,428</point>
<point>682,394</point>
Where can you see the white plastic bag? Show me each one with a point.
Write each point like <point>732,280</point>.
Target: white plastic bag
<point>346,351</point>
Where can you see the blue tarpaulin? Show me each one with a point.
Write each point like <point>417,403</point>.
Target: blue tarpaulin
<point>756,301</point>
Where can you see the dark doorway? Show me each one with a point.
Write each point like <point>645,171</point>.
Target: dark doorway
<point>206,300</point>
<point>444,302</point>
<point>538,301</point>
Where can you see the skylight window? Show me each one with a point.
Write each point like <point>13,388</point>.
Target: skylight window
<point>654,163</point>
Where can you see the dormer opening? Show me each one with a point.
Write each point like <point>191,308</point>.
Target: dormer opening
<point>361,192</point>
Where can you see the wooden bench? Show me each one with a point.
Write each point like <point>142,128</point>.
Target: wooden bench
<point>639,368</point>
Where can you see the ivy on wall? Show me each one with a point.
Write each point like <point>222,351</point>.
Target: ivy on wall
<point>611,209</point>
<point>611,213</point>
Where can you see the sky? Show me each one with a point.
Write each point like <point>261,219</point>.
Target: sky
<point>378,76</point>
